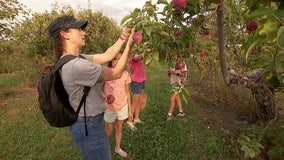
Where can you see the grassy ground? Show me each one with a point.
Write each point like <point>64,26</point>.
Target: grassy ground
<point>201,134</point>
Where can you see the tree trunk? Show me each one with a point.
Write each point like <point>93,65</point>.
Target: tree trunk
<point>221,43</point>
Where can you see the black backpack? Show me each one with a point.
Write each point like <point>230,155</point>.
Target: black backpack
<point>53,98</point>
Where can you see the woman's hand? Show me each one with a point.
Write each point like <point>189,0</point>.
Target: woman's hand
<point>126,33</point>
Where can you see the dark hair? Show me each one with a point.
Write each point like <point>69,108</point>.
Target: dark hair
<point>58,47</point>
<point>63,23</point>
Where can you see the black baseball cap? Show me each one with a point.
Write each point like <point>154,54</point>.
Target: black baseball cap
<point>63,23</point>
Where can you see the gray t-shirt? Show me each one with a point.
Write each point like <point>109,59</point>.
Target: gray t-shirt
<point>78,73</point>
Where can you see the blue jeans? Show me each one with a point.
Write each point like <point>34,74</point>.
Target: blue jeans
<point>96,145</point>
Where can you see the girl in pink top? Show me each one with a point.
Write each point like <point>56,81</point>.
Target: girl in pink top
<point>137,86</point>
<point>118,106</point>
<point>137,68</point>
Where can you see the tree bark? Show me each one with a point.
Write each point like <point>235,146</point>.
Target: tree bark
<point>221,43</point>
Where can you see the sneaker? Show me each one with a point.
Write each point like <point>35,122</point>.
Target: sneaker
<point>131,126</point>
<point>138,121</point>
<point>169,117</point>
<point>121,152</point>
<point>181,114</point>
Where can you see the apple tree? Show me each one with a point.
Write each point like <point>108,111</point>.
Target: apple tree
<point>245,37</point>
<point>38,45</point>
<point>9,11</point>
<point>33,31</point>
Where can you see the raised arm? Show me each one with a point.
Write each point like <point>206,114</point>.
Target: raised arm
<point>113,50</point>
<point>116,72</point>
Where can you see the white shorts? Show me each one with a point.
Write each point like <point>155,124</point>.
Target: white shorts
<point>111,117</point>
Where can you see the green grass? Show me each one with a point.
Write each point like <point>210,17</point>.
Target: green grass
<point>26,135</point>
<point>10,80</point>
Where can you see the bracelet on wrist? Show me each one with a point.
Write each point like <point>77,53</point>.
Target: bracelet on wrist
<point>122,38</point>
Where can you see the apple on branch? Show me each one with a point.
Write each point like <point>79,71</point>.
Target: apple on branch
<point>252,25</point>
<point>179,4</point>
<point>180,65</point>
<point>137,37</point>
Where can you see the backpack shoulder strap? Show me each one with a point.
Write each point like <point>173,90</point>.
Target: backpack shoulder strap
<point>63,60</point>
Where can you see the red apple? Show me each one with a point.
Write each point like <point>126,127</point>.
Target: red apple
<point>201,53</point>
<point>110,99</point>
<point>179,4</point>
<point>252,26</point>
<point>137,37</point>
<point>204,31</point>
<point>180,65</point>
<point>178,33</point>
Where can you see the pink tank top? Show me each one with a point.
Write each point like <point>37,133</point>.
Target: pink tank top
<point>137,70</point>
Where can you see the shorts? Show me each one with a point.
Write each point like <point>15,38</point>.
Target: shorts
<point>137,87</point>
<point>177,87</point>
<point>112,116</point>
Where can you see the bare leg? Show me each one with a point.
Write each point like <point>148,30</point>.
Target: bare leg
<point>172,102</point>
<point>179,104</point>
<point>108,128</point>
<point>143,100</point>
<point>118,137</point>
<point>118,133</point>
<point>135,106</point>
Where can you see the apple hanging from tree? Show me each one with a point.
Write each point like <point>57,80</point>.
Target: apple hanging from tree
<point>137,37</point>
<point>201,53</point>
<point>178,33</point>
<point>180,65</point>
<point>179,4</point>
<point>252,26</point>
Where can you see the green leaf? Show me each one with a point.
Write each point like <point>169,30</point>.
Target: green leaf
<point>184,98</point>
<point>150,9</point>
<point>256,40</point>
<point>164,33</point>
<point>162,2</point>
<point>269,30</point>
<point>186,90</point>
<point>124,19</point>
<point>148,32</point>
<point>280,37</point>
<point>261,12</point>
<point>269,76</point>
<point>244,148</point>
<point>258,145</point>
<point>252,154</point>
<point>280,66</point>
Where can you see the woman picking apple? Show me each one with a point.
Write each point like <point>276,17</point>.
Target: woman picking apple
<point>69,38</point>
